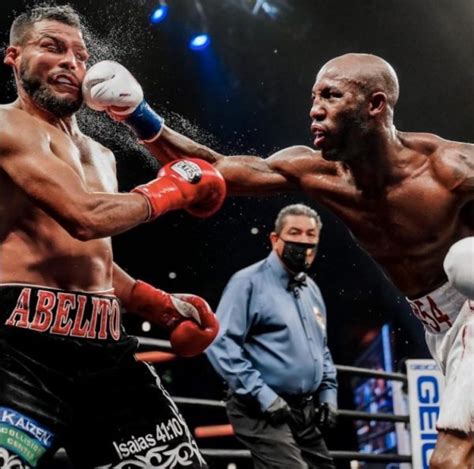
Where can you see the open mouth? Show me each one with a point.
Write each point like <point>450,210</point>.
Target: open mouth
<point>320,135</point>
<point>66,82</point>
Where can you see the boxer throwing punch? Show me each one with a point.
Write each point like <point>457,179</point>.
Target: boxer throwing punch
<point>67,369</point>
<point>407,197</point>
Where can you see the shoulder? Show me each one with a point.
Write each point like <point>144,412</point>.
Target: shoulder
<point>423,142</point>
<point>452,162</point>
<point>299,159</point>
<point>249,274</point>
<point>15,120</point>
<point>18,130</point>
<point>295,151</point>
<point>250,271</point>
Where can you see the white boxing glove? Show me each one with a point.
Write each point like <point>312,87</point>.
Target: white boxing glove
<point>108,84</point>
<point>459,266</point>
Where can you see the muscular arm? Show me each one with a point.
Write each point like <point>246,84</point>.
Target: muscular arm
<point>245,175</point>
<point>110,87</point>
<point>455,166</point>
<point>55,187</point>
<point>171,145</point>
<point>466,166</point>
<point>122,283</point>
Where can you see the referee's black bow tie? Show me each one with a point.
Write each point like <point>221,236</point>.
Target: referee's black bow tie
<point>295,282</point>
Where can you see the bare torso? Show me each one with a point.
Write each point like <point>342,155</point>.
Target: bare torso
<point>34,247</point>
<point>410,225</point>
<point>407,222</point>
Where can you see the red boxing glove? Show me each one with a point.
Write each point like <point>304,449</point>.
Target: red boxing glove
<point>189,338</point>
<point>192,184</point>
<point>189,318</point>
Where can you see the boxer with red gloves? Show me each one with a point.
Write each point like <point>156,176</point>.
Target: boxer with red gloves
<point>191,184</point>
<point>68,367</point>
<point>190,320</point>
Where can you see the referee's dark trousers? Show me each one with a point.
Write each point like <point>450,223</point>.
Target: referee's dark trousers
<point>297,444</point>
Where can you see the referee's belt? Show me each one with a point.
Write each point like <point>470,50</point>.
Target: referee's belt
<point>293,400</point>
<point>297,400</point>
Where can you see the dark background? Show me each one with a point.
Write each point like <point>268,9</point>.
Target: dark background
<point>250,93</point>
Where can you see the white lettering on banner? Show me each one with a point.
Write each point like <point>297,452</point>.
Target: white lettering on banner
<point>425,382</point>
<point>164,432</point>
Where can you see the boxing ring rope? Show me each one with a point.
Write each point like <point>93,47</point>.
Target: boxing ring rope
<point>213,431</point>
<point>352,455</point>
<point>371,373</point>
<point>155,355</point>
<point>154,343</point>
<point>351,414</point>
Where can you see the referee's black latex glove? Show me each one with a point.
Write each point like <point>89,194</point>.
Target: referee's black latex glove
<point>279,412</point>
<point>326,415</point>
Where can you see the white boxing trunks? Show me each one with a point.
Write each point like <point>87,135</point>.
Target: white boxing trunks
<point>448,318</point>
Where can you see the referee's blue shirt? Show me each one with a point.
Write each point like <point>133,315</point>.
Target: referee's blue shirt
<point>271,342</point>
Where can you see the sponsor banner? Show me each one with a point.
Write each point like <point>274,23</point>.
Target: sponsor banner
<point>400,407</point>
<point>425,384</point>
<point>21,444</point>
<point>12,418</point>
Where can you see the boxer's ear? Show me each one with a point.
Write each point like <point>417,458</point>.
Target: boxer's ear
<point>378,103</point>
<point>11,54</point>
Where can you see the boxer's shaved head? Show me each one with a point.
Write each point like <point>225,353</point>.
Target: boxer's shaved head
<point>353,99</point>
<point>368,72</point>
<point>21,26</point>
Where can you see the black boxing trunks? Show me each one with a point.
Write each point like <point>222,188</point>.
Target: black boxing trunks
<point>69,378</point>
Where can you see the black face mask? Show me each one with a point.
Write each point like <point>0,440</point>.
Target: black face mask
<point>294,255</point>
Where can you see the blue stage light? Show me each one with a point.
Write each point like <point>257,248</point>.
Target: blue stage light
<point>199,41</point>
<point>159,14</point>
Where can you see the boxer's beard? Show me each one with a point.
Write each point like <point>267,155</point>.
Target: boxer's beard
<point>44,98</point>
<point>354,129</point>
